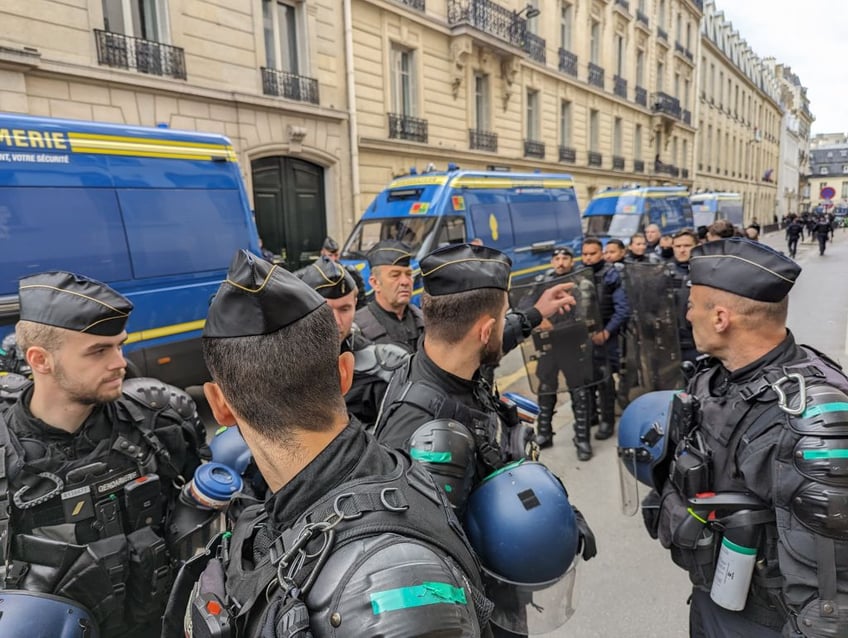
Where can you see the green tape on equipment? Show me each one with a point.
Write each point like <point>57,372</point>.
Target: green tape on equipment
<point>812,455</point>
<point>430,457</point>
<point>816,410</point>
<point>417,596</point>
<point>739,549</point>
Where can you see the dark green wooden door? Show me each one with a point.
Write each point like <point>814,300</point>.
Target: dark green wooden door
<point>288,196</point>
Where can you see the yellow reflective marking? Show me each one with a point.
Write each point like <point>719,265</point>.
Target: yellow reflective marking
<point>138,147</point>
<point>606,194</point>
<point>77,508</point>
<point>165,331</point>
<point>493,226</point>
<point>510,182</point>
<point>424,180</point>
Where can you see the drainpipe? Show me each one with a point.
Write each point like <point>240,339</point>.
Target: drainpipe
<point>351,105</point>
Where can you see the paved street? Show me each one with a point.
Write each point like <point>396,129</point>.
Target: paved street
<point>632,588</point>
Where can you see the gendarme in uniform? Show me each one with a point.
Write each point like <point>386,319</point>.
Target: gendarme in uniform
<point>357,542</point>
<point>771,442</point>
<point>389,317</point>
<point>89,501</point>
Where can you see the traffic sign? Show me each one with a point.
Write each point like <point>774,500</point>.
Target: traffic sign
<point>828,192</point>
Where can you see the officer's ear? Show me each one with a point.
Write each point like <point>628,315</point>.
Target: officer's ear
<point>221,409</point>
<point>484,327</point>
<point>721,318</point>
<point>39,359</point>
<point>373,279</point>
<point>346,371</point>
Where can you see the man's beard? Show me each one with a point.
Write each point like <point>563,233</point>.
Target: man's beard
<point>491,353</point>
<point>87,396</point>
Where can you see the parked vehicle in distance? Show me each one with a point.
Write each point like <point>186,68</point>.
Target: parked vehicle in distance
<point>618,213</point>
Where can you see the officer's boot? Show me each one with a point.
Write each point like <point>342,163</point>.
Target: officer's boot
<point>544,424</point>
<point>580,406</point>
<point>606,403</point>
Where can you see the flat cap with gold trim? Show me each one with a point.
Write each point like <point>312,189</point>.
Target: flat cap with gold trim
<point>328,278</point>
<point>390,252</point>
<point>745,268</point>
<point>73,302</point>
<point>258,298</point>
<point>463,267</point>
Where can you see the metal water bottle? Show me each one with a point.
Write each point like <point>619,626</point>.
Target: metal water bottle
<point>735,567</point>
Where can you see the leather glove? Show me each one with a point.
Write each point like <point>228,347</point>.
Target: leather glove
<point>587,545</point>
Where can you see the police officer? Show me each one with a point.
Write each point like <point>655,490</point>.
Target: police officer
<point>93,463</point>
<point>757,473</point>
<point>678,273</point>
<point>389,317</point>
<point>822,230</point>
<point>562,356</point>
<point>794,232</point>
<point>330,249</point>
<point>354,540</point>
<point>615,312</point>
<point>464,304</point>
<point>374,363</point>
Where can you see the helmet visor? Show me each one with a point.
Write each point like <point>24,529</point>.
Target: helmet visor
<point>531,609</point>
<point>627,481</point>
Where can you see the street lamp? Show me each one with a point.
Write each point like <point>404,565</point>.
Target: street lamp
<point>529,11</point>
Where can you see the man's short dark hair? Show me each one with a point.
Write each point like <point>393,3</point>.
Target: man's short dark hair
<point>448,318</point>
<point>593,240</point>
<point>721,228</point>
<point>686,232</point>
<point>284,379</point>
<point>616,242</point>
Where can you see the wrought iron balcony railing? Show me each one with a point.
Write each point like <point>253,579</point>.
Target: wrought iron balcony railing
<point>667,169</point>
<point>567,154</point>
<point>405,127</point>
<point>619,86</point>
<point>568,62</point>
<point>533,148</point>
<point>535,47</point>
<point>145,56</point>
<point>662,34</point>
<point>617,163</point>
<point>641,96</point>
<point>689,55</point>
<point>641,17</point>
<point>594,158</point>
<point>482,140</point>
<point>664,103</point>
<point>596,75</point>
<point>638,166</point>
<point>289,85</point>
<point>679,48</point>
<point>624,4</point>
<point>489,17</point>
<point>415,4</point>
<point>684,173</point>
<point>699,4</point>
<point>687,117</point>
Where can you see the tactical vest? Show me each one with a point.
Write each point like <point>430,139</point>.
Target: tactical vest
<point>109,511</point>
<point>399,508</point>
<point>790,422</point>
<point>373,328</point>
<point>606,306</point>
<point>373,368</point>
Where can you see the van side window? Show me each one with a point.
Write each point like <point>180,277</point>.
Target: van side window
<point>489,214</point>
<point>85,234</point>
<point>163,229</point>
<point>532,217</point>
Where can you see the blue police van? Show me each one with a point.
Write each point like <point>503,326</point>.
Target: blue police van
<point>522,214</point>
<point>708,207</point>
<point>621,212</point>
<point>155,213</point>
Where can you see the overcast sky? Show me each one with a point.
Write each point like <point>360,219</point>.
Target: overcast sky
<point>809,36</point>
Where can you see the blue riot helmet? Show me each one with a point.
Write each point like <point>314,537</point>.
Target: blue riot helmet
<point>229,448</point>
<point>524,530</point>
<point>642,441</point>
<point>447,451</point>
<point>37,615</point>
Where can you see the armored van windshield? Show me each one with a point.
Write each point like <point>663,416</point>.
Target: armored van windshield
<point>619,213</point>
<point>708,207</point>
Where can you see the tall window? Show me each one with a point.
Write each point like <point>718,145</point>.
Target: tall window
<point>619,55</point>
<point>677,85</point>
<point>533,115</point>
<point>279,22</point>
<point>689,35</point>
<point>594,130</point>
<point>660,74</point>
<point>403,80</point>
<point>640,68</point>
<point>661,14</point>
<point>481,102</point>
<point>565,123</point>
<point>637,142</point>
<point>616,137</point>
<point>685,158</point>
<point>709,145</point>
<point>533,23</point>
<point>146,19</point>
<point>679,36</point>
<point>595,43</point>
<point>674,151</point>
<point>566,18</point>
<point>844,189</point>
<point>684,99</point>
<point>721,89</point>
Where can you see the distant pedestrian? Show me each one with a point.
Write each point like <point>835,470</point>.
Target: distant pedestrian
<point>822,230</point>
<point>794,231</point>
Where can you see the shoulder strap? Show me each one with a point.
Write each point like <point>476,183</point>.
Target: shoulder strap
<point>369,324</point>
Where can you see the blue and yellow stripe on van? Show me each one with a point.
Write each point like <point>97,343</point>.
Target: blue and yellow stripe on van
<point>165,331</point>
<point>649,193</point>
<point>477,182</point>
<point>100,144</point>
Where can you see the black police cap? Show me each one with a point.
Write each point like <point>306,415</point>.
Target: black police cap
<point>745,268</point>
<point>463,267</point>
<point>73,302</point>
<point>390,252</point>
<point>330,245</point>
<point>258,298</point>
<point>563,250</point>
<point>328,278</point>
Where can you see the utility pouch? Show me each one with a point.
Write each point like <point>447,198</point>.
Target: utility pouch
<point>286,618</point>
<point>150,574</point>
<point>651,513</point>
<point>684,417</point>
<point>691,541</point>
<point>691,472</point>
